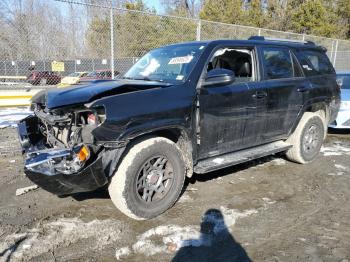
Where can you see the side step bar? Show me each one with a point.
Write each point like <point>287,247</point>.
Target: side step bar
<point>230,159</point>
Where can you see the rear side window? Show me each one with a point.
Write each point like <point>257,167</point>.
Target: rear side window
<point>277,63</point>
<point>315,63</point>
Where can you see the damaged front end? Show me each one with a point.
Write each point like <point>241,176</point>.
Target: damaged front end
<point>61,155</point>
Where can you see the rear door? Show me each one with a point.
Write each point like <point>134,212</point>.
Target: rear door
<point>319,71</point>
<point>285,85</point>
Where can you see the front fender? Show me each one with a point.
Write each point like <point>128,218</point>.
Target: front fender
<point>133,114</point>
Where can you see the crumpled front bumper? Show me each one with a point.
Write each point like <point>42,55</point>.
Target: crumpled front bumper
<point>89,178</point>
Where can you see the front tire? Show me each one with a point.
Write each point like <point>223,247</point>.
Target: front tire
<point>149,179</point>
<point>307,139</point>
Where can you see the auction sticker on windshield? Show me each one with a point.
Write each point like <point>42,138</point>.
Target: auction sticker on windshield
<point>180,60</point>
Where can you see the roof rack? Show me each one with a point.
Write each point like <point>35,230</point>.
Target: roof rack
<point>262,38</point>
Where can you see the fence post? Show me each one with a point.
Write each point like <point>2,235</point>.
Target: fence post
<point>199,27</point>
<point>303,37</point>
<point>335,52</point>
<point>332,50</point>
<point>112,39</point>
<point>259,32</point>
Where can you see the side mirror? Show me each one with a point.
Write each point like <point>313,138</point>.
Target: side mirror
<point>219,77</point>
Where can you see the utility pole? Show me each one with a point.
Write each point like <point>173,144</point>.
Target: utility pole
<point>112,37</point>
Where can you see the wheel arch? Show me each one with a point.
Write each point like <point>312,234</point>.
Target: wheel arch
<point>319,106</point>
<point>176,134</point>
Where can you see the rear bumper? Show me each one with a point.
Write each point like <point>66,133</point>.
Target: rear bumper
<point>342,120</point>
<point>40,164</point>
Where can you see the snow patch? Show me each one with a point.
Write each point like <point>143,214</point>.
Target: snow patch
<point>122,252</point>
<point>170,238</point>
<point>62,232</point>
<point>268,201</point>
<point>185,198</point>
<point>336,149</point>
<point>279,161</point>
<point>10,116</point>
<point>341,167</point>
<point>336,174</point>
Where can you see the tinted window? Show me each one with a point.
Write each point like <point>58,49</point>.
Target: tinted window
<point>345,81</point>
<point>315,63</point>
<point>277,63</point>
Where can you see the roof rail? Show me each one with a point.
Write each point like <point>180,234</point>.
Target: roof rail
<point>262,38</point>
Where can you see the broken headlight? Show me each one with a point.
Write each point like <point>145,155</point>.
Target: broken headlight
<point>54,161</point>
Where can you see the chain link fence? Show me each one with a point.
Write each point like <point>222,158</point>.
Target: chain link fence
<point>51,39</point>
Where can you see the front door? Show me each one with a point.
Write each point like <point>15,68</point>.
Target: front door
<point>231,116</point>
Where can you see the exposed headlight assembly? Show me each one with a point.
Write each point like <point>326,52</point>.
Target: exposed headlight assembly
<point>58,160</point>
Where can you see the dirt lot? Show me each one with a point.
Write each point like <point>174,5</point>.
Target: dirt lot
<point>265,210</point>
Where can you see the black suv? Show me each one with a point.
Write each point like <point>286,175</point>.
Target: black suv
<point>183,108</point>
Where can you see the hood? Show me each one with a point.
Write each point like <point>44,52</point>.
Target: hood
<point>56,97</point>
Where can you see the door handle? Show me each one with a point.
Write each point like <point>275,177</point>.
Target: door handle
<point>303,89</point>
<point>259,95</point>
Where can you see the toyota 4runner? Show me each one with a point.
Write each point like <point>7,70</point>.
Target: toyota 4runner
<point>183,108</point>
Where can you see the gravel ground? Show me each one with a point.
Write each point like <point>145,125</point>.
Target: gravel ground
<point>264,210</point>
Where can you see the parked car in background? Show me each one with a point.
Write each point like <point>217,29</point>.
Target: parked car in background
<point>43,78</point>
<point>72,79</point>
<point>343,118</point>
<point>98,74</point>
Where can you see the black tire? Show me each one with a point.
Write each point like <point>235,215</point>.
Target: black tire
<point>307,139</point>
<point>143,169</point>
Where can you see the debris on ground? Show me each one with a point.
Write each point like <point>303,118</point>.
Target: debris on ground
<point>24,190</point>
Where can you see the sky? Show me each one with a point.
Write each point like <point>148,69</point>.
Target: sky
<point>156,4</point>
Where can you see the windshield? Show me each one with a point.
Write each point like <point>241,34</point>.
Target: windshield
<point>168,64</point>
<point>345,81</point>
<point>74,74</point>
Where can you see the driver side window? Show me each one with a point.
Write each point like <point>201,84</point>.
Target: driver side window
<point>237,60</point>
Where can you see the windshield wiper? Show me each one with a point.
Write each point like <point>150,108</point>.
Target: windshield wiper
<point>144,79</point>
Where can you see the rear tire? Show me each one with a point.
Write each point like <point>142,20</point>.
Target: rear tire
<point>149,179</point>
<point>307,139</point>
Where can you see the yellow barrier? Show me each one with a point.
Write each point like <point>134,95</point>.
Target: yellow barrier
<point>13,77</point>
<point>10,98</point>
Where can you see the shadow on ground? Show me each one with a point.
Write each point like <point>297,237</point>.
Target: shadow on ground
<point>101,193</point>
<point>214,244</point>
